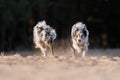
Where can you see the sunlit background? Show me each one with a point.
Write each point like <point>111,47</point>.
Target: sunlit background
<point>18,17</point>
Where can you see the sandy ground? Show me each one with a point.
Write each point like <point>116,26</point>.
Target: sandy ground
<point>98,65</point>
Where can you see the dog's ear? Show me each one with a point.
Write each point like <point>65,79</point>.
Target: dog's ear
<point>74,31</point>
<point>84,32</point>
<point>85,28</point>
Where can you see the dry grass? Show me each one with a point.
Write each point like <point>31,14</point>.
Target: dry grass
<point>98,65</point>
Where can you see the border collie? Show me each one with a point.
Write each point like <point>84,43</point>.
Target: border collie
<point>43,37</point>
<point>79,39</point>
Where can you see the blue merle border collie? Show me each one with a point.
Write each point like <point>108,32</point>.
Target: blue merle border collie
<point>43,37</point>
<point>79,39</point>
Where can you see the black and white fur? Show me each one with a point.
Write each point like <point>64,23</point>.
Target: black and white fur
<point>43,37</point>
<point>79,39</point>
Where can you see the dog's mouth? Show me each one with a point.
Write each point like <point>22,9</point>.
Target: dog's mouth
<point>50,41</point>
<point>81,44</point>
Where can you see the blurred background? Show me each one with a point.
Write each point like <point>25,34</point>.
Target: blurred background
<point>18,17</point>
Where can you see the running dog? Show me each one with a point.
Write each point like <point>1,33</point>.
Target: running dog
<point>79,39</point>
<point>43,37</point>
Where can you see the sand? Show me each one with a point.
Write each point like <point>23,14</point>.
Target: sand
<point>98,65</point>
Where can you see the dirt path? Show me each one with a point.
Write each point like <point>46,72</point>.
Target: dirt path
<point>99,65</point>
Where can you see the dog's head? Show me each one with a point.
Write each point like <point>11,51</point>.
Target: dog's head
<point>80,36</point>
<point>79,32</point>
<point>40,26</point>
<point>48,35</point>
<point>43,32</point>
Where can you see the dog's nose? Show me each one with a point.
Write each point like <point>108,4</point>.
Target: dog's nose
<point>79,40</point>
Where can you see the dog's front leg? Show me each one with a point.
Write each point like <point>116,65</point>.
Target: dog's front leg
<point>73,52</point>
<point>51,49</point>
<point>85,51</point>
<point>44,51</point>
<point>45,54</point>
<point>83,54</point>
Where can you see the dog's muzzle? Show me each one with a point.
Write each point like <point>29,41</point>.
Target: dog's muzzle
<point>79,40</point>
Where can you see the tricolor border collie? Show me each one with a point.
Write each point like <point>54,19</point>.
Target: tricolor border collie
<point>79,39</point>
<point>43,37</point>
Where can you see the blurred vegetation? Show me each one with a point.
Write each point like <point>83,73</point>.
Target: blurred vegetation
<point>18,17</point>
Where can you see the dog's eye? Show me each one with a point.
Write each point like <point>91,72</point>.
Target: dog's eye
<point>82,36</point>
<point>77,29</point>
<point>47,34</point>
<point>76,36</point>
<point>41,35</point>
<point>81,31</point>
